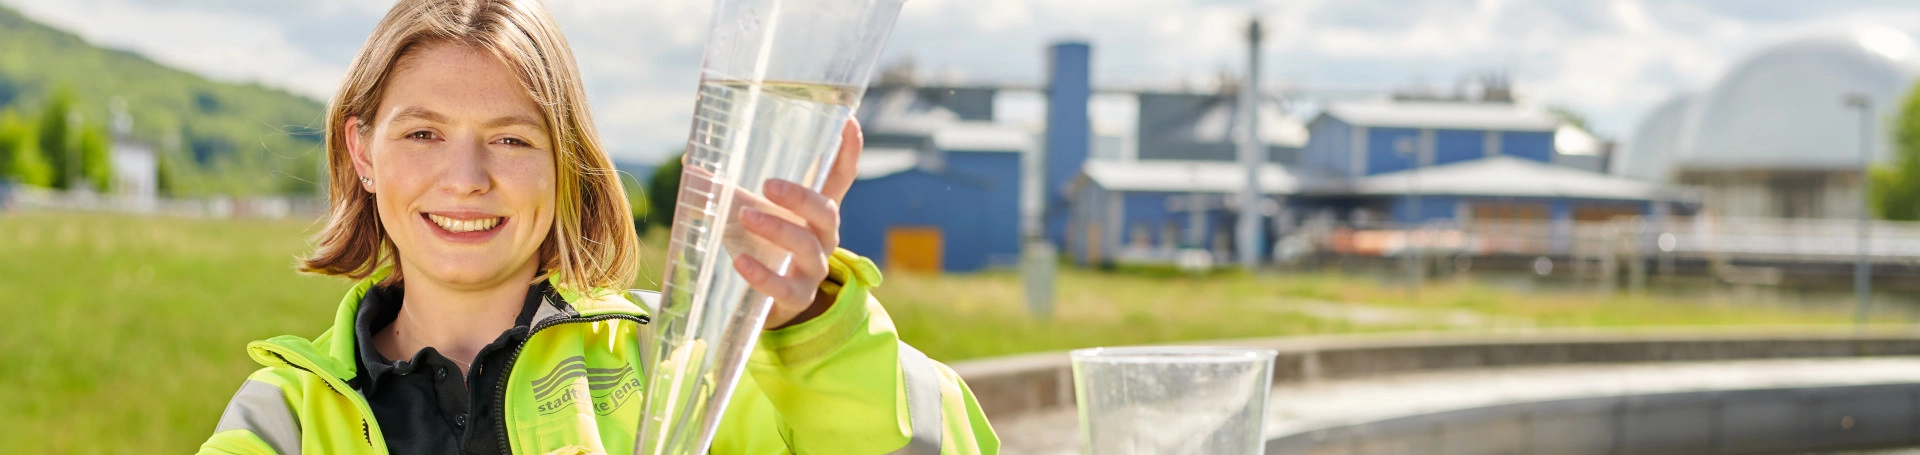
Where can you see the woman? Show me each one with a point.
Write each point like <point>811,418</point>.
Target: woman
<point>472,200</point>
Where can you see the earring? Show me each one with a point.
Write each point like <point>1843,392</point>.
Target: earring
<point>368,181</point>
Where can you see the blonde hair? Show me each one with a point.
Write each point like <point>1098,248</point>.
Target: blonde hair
<point>592,243</point>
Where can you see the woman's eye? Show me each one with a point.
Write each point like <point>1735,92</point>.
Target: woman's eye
<point>516,142</point>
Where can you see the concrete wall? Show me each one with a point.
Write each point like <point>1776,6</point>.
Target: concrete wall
<point>1017,385</point>
<point>1764,421</point>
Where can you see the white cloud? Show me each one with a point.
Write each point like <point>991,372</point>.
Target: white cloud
<point>221,44</point>
<point>1612,60</point>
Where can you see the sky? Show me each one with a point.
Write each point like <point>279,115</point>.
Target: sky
<point>1610,60</point>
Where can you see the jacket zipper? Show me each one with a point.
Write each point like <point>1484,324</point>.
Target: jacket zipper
<point>359,403</point>
<point>500,390</point>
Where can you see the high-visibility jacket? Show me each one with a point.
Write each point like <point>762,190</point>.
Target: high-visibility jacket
<point>842,383</point>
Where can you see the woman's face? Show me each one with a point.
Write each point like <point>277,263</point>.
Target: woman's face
<point>462,169</point>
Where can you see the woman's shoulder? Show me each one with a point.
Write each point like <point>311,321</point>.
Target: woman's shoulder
<point>600,301</point>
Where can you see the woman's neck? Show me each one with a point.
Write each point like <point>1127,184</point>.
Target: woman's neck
<point>457,322</point>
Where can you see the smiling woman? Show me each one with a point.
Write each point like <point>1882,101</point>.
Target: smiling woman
<point>456,162</point>
<point>488,230</point>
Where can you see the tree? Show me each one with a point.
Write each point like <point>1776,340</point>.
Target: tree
<point>636,201</point>
<point>23,160</point>
<point>1895,190</point>
<point>57,142</point>
<point>1571,116</point>
<point>663,192</point>
<point>96,158</point>
<point>7,144</point>
<point>163,178</point>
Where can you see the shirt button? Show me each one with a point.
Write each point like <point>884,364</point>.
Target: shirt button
<point>442,375</point>
<point>460,420</point>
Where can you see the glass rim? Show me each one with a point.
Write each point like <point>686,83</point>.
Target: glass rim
<point>1172,354</point>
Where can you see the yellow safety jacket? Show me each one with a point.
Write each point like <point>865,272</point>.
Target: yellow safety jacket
<point>842,383</point>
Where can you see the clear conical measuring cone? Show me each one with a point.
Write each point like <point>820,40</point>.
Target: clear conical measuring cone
<point>779,81</point>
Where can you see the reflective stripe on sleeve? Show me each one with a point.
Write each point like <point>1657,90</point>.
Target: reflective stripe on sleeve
<point>923,402</point>
<point>262,409</point>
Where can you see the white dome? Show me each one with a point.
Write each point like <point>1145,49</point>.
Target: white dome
<point>1784,108</point>
<point>1649,153</point>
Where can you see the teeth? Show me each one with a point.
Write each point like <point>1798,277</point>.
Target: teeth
<point>453,225</point>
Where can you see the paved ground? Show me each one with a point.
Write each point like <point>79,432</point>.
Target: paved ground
<point>1297,408</point>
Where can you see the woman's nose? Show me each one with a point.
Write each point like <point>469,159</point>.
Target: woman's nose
<point>467,168</point>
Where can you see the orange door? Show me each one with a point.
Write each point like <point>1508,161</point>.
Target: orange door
<point>914,249</point>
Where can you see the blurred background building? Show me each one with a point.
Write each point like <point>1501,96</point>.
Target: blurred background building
<point>1773,137</point>
<point>1142,175</point>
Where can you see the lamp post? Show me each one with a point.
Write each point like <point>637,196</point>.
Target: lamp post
<point>1863,268</point>
<point>1415,233</point>
<point>1252,153</point>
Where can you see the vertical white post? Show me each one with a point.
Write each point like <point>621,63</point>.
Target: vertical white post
<point>1863,267</point>
<point>1252,153</point>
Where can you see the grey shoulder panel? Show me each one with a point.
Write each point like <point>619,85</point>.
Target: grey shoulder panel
<point>262,409</point>
<point>923,402</point>
<point>648,300</point>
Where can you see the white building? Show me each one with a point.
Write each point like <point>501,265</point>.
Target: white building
<point>1774,136</point>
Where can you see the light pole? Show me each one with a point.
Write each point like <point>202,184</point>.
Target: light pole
<point>1863,268</point>
<point>1252,153</point>
<point>1415,231</point>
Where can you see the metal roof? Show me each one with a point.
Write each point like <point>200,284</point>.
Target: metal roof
<point>1443,115</point>
<point>1220,123</point>
<point>983,137</point>
<point>882,162</point>
<point>1186,176</point>
<point>1506,176</point>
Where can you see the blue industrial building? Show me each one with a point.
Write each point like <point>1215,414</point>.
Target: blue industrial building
<point>1378,164</point>
<point>1146,211</point>
<point>947,185</point>
<point>940,184</point>
<point>1419,161</point>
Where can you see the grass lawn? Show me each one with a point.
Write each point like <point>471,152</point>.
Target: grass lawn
<point>126,334</point>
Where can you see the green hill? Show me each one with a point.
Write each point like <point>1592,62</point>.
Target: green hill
<point>214,137</point>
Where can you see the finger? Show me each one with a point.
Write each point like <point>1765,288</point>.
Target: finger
<point>787,293</point>
<point>808,257</point>
<point>822,215</point>
<point>846,165</point>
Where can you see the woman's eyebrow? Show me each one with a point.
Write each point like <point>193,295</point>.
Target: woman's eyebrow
<point>515,120</point>
<point>423,114</point>
<point>419,113</point>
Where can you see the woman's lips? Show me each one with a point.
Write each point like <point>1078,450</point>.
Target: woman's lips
<point>457,225</point>
<point>464,228</point>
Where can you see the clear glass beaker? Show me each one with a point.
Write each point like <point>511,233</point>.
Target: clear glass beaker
<point>1172,400</point>
<point>779,81</point>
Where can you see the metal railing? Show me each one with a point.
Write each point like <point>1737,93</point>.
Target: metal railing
<point>21,197</point>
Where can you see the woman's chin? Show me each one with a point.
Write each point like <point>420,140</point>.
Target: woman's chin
<point>465,275</point>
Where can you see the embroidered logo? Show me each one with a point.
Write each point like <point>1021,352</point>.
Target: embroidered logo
<point>571,382</point>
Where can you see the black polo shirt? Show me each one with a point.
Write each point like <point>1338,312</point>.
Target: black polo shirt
<point>424,405</point>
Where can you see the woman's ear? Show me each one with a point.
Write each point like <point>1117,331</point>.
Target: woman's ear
<point>357,151</point>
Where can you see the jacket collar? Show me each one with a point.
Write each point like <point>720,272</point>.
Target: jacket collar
<point>331,354</point>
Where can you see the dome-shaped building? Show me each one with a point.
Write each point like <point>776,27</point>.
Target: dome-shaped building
<point>1775,136</point>
<point>1648,155</point>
